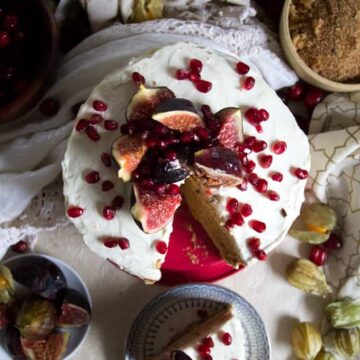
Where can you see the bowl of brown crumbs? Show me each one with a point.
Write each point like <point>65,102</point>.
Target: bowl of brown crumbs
<point>321,41</point>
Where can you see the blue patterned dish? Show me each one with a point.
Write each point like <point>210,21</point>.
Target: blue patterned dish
<point>152,328</point>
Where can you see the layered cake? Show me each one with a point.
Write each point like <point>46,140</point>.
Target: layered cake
<point>184,123</point>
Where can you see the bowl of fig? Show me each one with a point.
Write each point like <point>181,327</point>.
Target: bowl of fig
<point>45,309</point>
<point>28,54</point>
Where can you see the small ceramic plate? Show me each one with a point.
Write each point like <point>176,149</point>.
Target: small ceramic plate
<point>173,310</point>
<point>74,281</point>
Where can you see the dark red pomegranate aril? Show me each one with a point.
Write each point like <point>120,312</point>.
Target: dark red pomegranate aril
<point>92,133</point>
<point>151,143</point>
<point>49,107</point>
<point>109,212</point>
<point>227,339</point>
<point>261,186</point>
<point>232,206</point>
<point>250,141</point>
<point>95,119</point>
<point>195,65</point>
<point>110,242</point>
<point>107,185</point>
<point>10,22</point>
<point>295,92</point>
<point>117,202</point>
<point>260,145</point>
<point>161,247</point>
<point>160,189</point>
<point>203,349</point>
<point>194,76</point>
<point>318,255</point>
<point>333,243</point>
<point>106,159</point>
<point>273,195</point>
<point>242,68</point>
<point>111,125</point>
<point>202,133</point>
<point>173,189</point>
<point>277,177</point>
<point>137,78</point>
<point>258,226</point>
<point>301,173</point>
<point>259,129</point>
<point>75,211</point>
<point>248,83</point>
<point>250,166</point>
<point>246,210</point>
<point>207,357</point>
<point>92,177</point>
<point>99,105</point>
<point>261,255</point>
<point>237,219</point>
<point>161,144</point>
<point>123,243</point>
<point>265,161</point>
<point>229,224</point>
<point>254,244</point>
<point>243,159</point>
<point>82,125</point>
<point>4,39</point>
<point>20,246</point>
<point>206,110</point>
<point>313,97</point>
<point>203,86</point>
<point>243,185</point>
<point>208,341</point>
<point>253,179</point>
<point>279,147</point>
<point>182,74</point>
<point>186,137</point>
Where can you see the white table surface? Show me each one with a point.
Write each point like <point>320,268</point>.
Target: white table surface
<point>118,297</point>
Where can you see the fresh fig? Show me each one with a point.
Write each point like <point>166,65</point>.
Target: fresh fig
<point>143,103</point>
<point>36,318</point>
<point>53,348</point>
<point>151,210</point>
<point>6,315</point>
<point>218,166</point>
<point>12,344</point>
<point>178,114</point>
<point>40,276</point>
<point>7,288</point>
<point>75,310</point>
<point>231,132</point>
<point>169,171</point>
<point>179,355</point>
<point>127,152</point>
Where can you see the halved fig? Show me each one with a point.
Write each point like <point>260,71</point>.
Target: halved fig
<point>231,128</point>
<point>178,114</point>
<point>127,152</point>
<point>152,211</point>
<point>218,166</point>
<point>169,171</point>
<point>53,348</point>
<point>144,102</point>
<point>75,310</point>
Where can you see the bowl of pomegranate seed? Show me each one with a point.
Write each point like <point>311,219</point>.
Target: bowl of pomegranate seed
<point>28,54</point>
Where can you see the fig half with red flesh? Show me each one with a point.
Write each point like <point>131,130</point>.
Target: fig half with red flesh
<point>178,114</point>
<point>144,102</point>
<point>52,348</point>
<point>153,211</point>
<point>231,129</point>
<point>218,166</point>
<point>127,152</point>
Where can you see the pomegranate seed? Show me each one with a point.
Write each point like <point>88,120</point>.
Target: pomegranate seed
<point>258,226</point>
<point>92,177</point>
<point>147,183</point>
<point>254,244</point>
<point>260,145</point>
<point>279,147</point>
<point>243,185</point>
<point>123,243</point>
<point>229,224</point>
<point>246,210</point>
<point>259,129</point>
<point>242,68</point>
<point>138,78</point>
<point>253,116</point>
<point>182,74</point>
<point>301,173</point>
<point>207,357</point>
<point>173,190</point>
<point>261,185</point>
<point>161,247</point>
<point>82,125</point>
<point>318,255</point>
<point>92,133</point>
<point>203,349</point>
<point>295,92</point>
<point>202,133</point>
<point>201,313</point>
<point>265,161</point>
<point>208,341</point>
<point>117,202</point>
<point>244,160</point>
<point>20,246</point>
<point>99,105</point>
<point>95,119</point>
<point>109,212</point>
<point>232,206</point>
<point>250,166</point>
<point>75,212</point>
<point>4,39</point>
<point>196,65</point>
<point>160,189</point>
<point>333,243</point>
<point>263,114</point>
<point>248,83</point>
<point>151,143</point>
<point>111,125</point>
<point>277,177</point>
<point>111,242</point>
<point>206,110</point>
<point>186,137</point>
<point>194,76</point>
<point>253,179</point>
<point>107,185</point>
<point>106,159</point>
<point>160,129</point>
<point>49,107</point>
<point>161,144</point>
<point>261,255</point>
<point>203,86</point>
<point>237,219</point>
<point>313,97</point>
<point>250,141</point>
<point>170,155</point>
<point>227,339</point>
<point>10,22</point>
<point>273,195</point>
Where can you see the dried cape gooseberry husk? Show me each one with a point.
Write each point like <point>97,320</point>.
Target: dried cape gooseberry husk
<point>325,355</point>
<point>306,276</point>
<point>311,237</point>
<point>144,10</point>
<point>306,341</point>
<point>319,218</point>
<point>7,288</point>
<point>344,314</point>
<point>347,342</point>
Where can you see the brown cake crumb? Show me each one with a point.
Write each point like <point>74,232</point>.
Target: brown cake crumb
<point>326,35</point>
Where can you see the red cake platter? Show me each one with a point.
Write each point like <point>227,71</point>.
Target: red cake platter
<point>192,257</point>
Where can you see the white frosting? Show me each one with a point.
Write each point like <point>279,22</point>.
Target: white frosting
<point>158,68</point>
